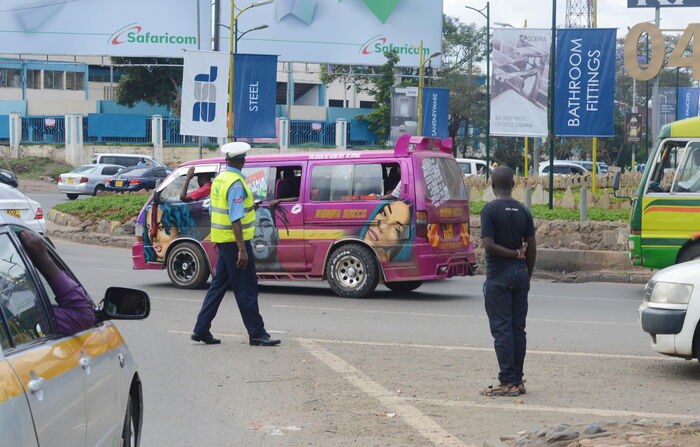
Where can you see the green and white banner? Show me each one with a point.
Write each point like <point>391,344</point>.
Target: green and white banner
<point>340,31</point>
<point>158,28</point>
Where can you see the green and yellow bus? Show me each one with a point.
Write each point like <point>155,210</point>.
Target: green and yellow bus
<point>665,220</point>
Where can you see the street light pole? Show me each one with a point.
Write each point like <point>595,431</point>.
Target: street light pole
<point>487,16</point>
<point>420,89</point>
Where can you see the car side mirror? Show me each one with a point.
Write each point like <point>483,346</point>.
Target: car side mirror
<point>121,303</point>
<point>616,181</point>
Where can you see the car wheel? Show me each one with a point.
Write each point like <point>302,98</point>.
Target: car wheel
<point>352,271</point>
<point>98,189</point>
<point>689,253</point>
<point>129,431</point>
<point>72,196</point>
<point>187,266</point>
<point>403,286</point>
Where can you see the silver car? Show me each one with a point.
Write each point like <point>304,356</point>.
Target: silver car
<point>74,390</point>
<point>86,179</point>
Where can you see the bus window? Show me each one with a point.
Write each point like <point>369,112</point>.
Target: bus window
<point>662,177</point>
<point>688,176</point>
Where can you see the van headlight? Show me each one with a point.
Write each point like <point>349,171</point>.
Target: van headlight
<point>670,293</point>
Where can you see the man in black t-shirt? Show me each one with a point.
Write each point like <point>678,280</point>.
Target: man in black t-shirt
<point>508,236</point>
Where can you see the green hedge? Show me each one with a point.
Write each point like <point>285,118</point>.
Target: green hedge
<point>543,212</point>
<point>120,207</point>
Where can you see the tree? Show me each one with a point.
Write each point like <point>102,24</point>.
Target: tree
<point>154,84</point>
<point>379,120</point>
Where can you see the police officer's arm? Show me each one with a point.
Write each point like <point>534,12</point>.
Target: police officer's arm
<point>236,197</point>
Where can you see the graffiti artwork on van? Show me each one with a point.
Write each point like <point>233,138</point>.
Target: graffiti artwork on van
<point>389,231</point>
<point>173,221</point>
<point>266,240</point>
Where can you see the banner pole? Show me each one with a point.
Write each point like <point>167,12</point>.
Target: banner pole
<point>230,67</point>
<point>527,155</point>
<point>420,90</point>
<point>488,90</point>
<point>595,139</point>
<point>552,62</point>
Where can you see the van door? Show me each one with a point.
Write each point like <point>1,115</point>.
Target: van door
<point>444,206</point>
<point>278,242</point>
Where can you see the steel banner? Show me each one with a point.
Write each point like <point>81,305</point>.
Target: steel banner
<point>204,94</point>
<point>688,100</point>
<point>158,28</point>
<point>633,128</point>
<point>519,80</point>
<point>255,93</point>
<point>436,112</point>
<point>585,83</point>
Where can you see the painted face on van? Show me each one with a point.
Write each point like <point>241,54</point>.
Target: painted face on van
<point>266,237</point>
<point>389,229</point>
<point>173,219</point>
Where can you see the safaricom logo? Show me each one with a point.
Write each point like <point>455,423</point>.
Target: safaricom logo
<point>380,45</point>
<point>133,33</point>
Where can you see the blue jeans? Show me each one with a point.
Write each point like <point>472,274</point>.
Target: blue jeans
<point>245,289</point>
<point>505,296</point>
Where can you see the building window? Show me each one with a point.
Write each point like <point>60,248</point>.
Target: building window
<point>10,77</point>
<point>53,79</point>
<point>367,104</point>
<point>336,103</point>
<point>74,80</point>
<point>34,79</point>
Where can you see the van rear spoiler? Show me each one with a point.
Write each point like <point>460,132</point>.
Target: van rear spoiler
<point>406,143</point>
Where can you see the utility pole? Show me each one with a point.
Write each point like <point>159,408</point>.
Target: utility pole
<point>656,100</point>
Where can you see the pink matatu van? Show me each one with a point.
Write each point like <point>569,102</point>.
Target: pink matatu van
<point>340,222</point>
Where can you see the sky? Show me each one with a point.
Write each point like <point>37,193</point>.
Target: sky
<point>538,13</point>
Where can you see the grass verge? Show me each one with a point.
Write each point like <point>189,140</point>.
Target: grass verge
<point>120,207</point>
<point>35,167</point>
<point>543,212</point>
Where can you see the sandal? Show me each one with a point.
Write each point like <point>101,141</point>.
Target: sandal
<point>501,390</point>
<point>521,388</point>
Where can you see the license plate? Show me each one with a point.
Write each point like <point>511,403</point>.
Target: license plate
<point>71,180</point>
<point>13,213</point>
<point>447,232</point>
<point>119,182</point>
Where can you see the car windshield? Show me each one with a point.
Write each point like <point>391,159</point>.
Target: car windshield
<point>86,169</point>
<point>135,172</point>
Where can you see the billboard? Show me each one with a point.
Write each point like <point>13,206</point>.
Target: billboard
<point>255,92</point>
<point>661,3</point>
<point>205,94</point>
<point>688,102</point>
<point>157,28</point>
<point>585,83</point>
<point>633,128</point>
<point>436,112</point>
<point>354,32</point>
<point>404,112</point>
<point>519,82</point>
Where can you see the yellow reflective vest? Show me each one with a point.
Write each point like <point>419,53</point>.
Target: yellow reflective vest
<point>221,231</point>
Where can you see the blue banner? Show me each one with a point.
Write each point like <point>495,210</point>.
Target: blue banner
<point>436,112</point>
<point>116,125</point>
<point>4,126</point>
<point>688,100</point>
<point>585,83</point>
<point>255,93</point>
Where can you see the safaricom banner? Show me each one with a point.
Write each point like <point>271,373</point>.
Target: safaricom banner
<point>354,32</point>
<point>160,28</point>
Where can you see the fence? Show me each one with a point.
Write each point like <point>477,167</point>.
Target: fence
<point>172,137</point>
<point>43,130</point>
<point>312,133</point>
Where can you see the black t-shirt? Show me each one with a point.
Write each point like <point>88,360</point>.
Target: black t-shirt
<point>509,223</point>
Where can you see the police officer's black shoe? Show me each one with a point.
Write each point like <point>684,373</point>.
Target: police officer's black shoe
<point>207,339</point>
<point>265,340</point>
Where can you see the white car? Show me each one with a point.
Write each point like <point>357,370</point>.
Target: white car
<point>471,166</point>
<point>14,203</point>
<point>563,168</point>
<point>670,312</point>
<point>86,179</point>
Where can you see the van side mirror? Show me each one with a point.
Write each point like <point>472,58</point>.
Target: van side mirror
<point>121,303</point>
<point>616,181</point>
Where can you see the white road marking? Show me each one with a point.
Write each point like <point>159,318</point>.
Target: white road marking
<point>467,348</point>
<point>420,422</point>
<point>436,315</point>
<point>542,408</point>
<point>188,300</point>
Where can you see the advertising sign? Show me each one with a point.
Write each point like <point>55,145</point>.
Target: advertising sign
<point>159,28</point>
<point>661,3</point>
<point>341,31</point>
<point>519,82</point>
<point>255,93</point>
<point>404,113</point>
<point>585,83</point>
<point>436,112</point>
<point>688,100</point>
<point>205,94</point>
<point>633,128</point>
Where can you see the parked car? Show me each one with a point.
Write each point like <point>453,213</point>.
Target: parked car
<point>14,203</point>
<point>8,178</point>
<point>563,168</point>
<point>588,165</point>
<point>50,379</point>
<point>126,160</point>
<point>136,179</point>
<point>471,166</point>
<point>670,312</point>
<point>86,179</point>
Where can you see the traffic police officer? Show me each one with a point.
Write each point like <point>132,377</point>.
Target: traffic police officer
<point>232,228</point>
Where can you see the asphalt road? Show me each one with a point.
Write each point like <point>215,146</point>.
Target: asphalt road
<point>390,370</point>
